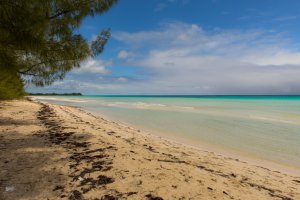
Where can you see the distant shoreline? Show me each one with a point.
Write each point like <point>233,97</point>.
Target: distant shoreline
<point>55,94</point>
<point>296,96</point>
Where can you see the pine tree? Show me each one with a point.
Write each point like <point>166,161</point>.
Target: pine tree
<point>39,42</point>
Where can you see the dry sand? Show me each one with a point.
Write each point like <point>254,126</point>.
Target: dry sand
<point>60,152</point>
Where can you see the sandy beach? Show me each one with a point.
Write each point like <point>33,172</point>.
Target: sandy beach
<point>50,151</point>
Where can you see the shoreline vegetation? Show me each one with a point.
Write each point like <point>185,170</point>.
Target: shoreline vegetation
<point>51,151</point>
<point>55,94</point>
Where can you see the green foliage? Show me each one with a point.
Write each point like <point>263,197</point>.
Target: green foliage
<point>11,85</point>
<point>98,44</point>
<point>39,41</point>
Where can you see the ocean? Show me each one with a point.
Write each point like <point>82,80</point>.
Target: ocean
<point>263,127</point>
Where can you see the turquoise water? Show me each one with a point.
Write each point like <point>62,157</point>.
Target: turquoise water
<point>266,127</point>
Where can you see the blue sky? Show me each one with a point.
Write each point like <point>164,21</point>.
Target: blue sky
<point>192,47</point>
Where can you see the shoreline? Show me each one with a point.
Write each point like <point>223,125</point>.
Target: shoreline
<point>202,146</point>
<point>78,155</point>
<point>281,163</point>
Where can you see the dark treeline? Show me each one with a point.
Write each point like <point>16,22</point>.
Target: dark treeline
<point>55,94</point>
<point>39,41</point>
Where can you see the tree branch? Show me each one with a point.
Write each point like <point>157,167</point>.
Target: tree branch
<point>59,14</point>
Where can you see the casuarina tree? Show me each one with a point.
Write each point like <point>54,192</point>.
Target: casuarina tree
<point>40,43</point>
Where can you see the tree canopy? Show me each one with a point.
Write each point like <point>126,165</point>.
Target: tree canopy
<point>39,40</point>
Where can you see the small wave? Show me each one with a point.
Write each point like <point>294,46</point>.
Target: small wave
<point>61,99</point>
<point>272,119</point>
<point>133,105</point>
<point>144,105</point>
<point>185,107</point>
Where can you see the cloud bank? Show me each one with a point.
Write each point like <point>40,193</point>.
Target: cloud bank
<point>187,59</point>
<point>181,58</point>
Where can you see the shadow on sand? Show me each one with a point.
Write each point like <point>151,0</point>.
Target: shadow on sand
<point>31,164</point>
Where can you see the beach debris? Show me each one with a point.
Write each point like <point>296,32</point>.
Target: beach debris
<point>58,187</point>
<point>104,180</point>
<point>231,197</point>
<point>108,197</point>
<point>173,161</point>
<point>93,183</point>
<point>80,178</point>
<point>271,192</point>
<point>111,132</point>
<point>151,197</point>
<point>80,153</point>
<point>150,148</point>
<point>9,189</point>
<point>76,195</point>
<point>131,193</point>
<point>297,181</point>
<point>88,181</point>
<point>139,182</point>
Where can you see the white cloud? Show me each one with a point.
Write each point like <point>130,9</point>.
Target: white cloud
<point>122,79</point>
<point>180,58</point>
<point>75,85</point>
<point>123,54</point>
<point>187,59</point>
<point>93,66</point>
<point>286,18</point>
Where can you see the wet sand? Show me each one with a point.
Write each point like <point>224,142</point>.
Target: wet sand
<point>61,152</point>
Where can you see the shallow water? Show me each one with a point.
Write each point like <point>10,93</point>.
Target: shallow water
<point>266,127</point>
